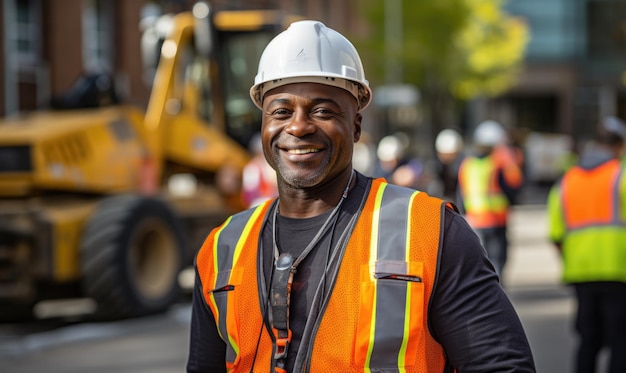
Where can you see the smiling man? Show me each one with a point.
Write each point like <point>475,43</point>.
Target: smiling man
<point>342,272</point>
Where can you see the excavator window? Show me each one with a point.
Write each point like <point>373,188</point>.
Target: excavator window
<point>194,84</point>
<point>239,61</point>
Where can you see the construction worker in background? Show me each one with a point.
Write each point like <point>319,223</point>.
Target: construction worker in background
<point>338,273</point>
<point>489,180</point>
<point>394,165</point>
<point>364,158</point>
<point>258,178</point>
<point>449,150</point>
<point>513,148</point>
<point>587,223</point>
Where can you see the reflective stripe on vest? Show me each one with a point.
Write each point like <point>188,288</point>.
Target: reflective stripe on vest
<point>602,185</point>
<point>485,203</point>
<point>389,260</point>
<point>369,320</point>
<point>237,229</point>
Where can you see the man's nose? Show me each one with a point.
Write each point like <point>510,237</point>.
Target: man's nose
<point>301,124</point>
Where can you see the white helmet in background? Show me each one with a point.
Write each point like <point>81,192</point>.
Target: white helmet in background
<point>614,125</point>
<point>310,52</point>
<point>390,148</point>
<point>448,141</point>
<point>489,133</point>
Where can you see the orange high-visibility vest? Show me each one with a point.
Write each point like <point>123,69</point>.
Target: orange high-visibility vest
<point>486,205</point>
<point>600,184</point>
<point>593,224</point>
<point>373,320</point>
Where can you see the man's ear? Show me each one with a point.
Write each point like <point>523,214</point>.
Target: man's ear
<point>357,126</point>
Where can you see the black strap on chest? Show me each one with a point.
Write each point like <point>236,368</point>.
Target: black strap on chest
<point>280,293</point>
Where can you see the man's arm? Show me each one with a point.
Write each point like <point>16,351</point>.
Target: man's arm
<point>556,221</point>
<point>207,351</point>
<point>511,192</point>
<point>470,314</point>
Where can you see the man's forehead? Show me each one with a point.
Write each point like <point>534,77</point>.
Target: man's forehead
<point>311,90</point>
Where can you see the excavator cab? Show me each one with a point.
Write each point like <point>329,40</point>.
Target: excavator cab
<point>216,68</point>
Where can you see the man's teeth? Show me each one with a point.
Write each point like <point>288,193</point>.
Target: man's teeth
<point>303,151</point>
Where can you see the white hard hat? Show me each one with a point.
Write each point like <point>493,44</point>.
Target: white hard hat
<point>390,148</point>
<point>448,141</point>
<point>614,125</point>
<point>489,133</point>
<point>310,52</point>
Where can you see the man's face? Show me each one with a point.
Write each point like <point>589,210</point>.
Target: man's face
<point>308,132</point>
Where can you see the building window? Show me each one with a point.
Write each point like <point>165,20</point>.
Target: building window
<point>26,36</point>
<point>97,36</point>
<point>25,74</point>
<point>606,21</point>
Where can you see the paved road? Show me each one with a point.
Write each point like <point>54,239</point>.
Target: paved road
<point>156,344</point>
<point>159,344</point>
<point>532,277</point>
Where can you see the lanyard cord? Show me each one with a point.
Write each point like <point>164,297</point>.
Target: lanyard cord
<point>319,234</point>
<point>303,359</point>
<point>280,290</point>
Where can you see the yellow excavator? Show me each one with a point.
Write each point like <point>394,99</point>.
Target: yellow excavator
<point>111,203</point>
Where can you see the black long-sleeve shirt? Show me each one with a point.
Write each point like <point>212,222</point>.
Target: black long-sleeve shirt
<point>470,314</point>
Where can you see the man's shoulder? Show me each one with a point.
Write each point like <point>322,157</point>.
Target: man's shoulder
<point>423,198</point>
<point>244,215</point>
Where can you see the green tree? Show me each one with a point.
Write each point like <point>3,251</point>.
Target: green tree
<point>452,50</point>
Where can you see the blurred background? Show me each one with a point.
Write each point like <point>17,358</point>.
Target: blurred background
<point>126,127</point>
<point>547,70</point>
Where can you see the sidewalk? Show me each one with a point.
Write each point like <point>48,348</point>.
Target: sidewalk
<point>532,280</point>
<point>533,260</point>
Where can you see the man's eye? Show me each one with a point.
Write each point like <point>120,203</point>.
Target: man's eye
<point>323,113</point>
<point>281,112</point>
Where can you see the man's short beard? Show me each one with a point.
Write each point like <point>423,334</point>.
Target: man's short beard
<point>297,182</point>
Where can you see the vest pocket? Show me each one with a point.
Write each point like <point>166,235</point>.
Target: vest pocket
<point>226,295</point>
<point>390,327</point>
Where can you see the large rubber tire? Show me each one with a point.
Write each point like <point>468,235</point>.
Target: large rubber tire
<point>16,313</point>
<point>131,255</point>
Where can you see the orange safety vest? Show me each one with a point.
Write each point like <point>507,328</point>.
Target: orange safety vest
<point>594,235</point>
<point>602,185</point>
<point>486,205</point>
<point>373,323</point>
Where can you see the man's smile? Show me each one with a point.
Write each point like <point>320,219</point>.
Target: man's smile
<point>303,151</point>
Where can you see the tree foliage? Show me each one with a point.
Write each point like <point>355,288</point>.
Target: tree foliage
<point>465,48</point>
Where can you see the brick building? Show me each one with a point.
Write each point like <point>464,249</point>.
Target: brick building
<point>45,45</point>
